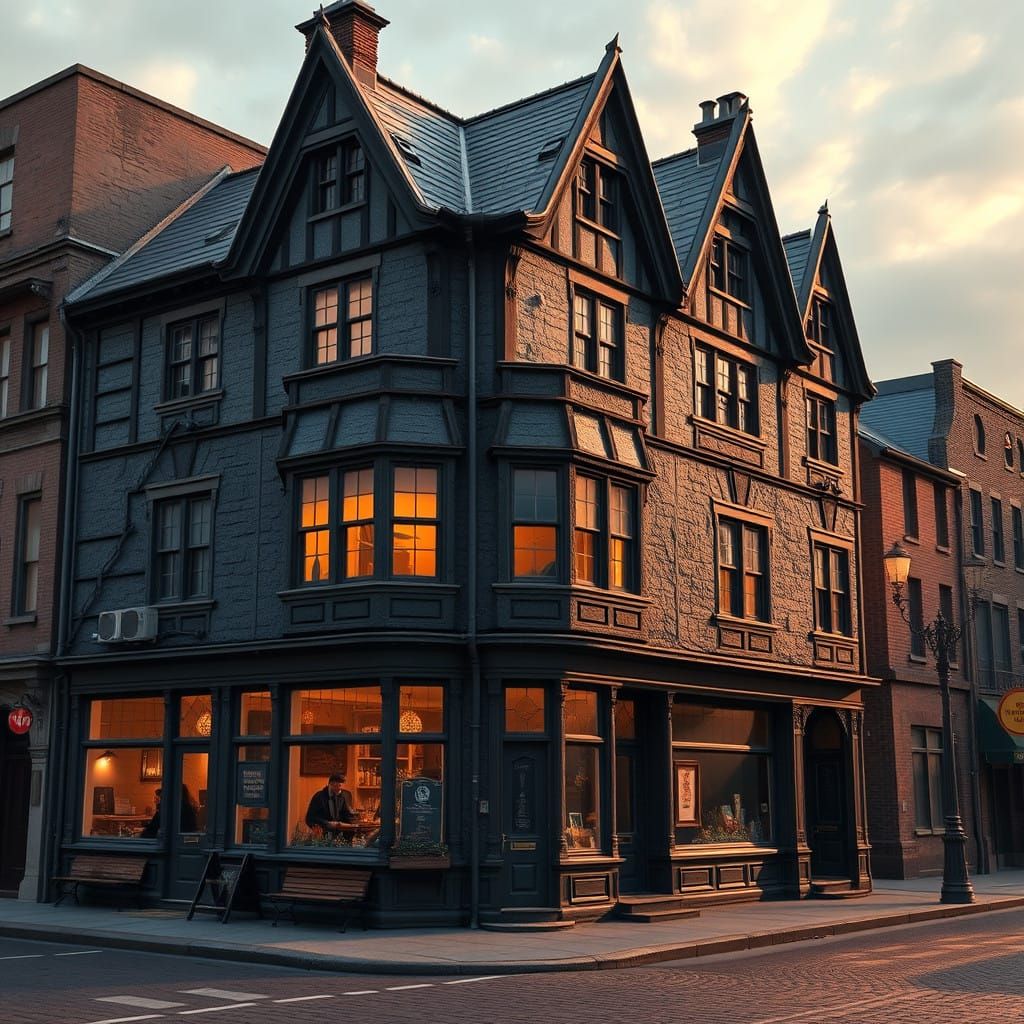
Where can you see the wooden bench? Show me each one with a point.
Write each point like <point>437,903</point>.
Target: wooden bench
<point>124,873</point>
<point>341,887</point>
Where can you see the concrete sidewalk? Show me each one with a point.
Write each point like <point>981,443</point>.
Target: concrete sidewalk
<point>607,944</point>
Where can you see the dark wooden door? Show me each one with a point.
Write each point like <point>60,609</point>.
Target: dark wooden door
<point>15,781</point>
<point>826,814</point>
<point>633,870</point>
<point>526,874</point>
<point>189,841</point>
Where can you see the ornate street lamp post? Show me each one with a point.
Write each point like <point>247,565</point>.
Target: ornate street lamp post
<point>941,637</point>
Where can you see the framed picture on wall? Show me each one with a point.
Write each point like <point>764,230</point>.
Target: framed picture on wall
<point>687,793</point>
<point>152,769</point>
<point>323,758</point>
<point>103,800</point>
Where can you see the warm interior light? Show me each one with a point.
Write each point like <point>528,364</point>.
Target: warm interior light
<point>107,756</point>
<point>308,718</point>
<point>204,724</point>
<point>897,566</point>
<point>409,721</point>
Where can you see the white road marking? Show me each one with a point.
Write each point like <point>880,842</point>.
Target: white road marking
<point>468,981</point>
<point>125,1020</point>
<point>361,992</point>
<point>302,999</point>
<point>24,956</point>
<point>221,993</point>
<point>839,1011</point>
<point>141,1001</point>
<point>81,952</point>
<point>215,1009</point>
<point>405,988</point>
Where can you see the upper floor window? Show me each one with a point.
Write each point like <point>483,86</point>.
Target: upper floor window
<point>193,357</point>
<point>743,570</point>
<point>728,268</point>
<point>941,516</point>
<point>977,526</point>
<point>597,336</point>
<point>910,521</point>
<point>1008,450</point>
<point>604,534</point>
<point>979,436</point>
<point>832,590</point>
<point>821,429</point>
<point>344,533</point>
<point>343,321</point>
<point>998,546</point>
<point>1017,521</point>
<point>726,390</point>
<point>915,610</point>
<point>184,552</point>
<point>26,580</point>
<point>38,366</point>
<point>597,195</point>
<point>820,335</point>
<point>535,524</point>
<point>340,177</point>
<point>5,372</point>
<point>6,188</point>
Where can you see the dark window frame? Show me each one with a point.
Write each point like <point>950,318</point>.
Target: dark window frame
<point>979,436</point>
<point>6,189</point>
<point>195,362</point>
<point>717,392</point>
<point>606,534</point>
<point>556,521</point>
<point>1017,527</point>
<point>821,429</point>
<point>35,373</point>
<point>915,612</point>
<point>343,323</point>
<point>339,177</point>
<point>925,746</point>
<point>6,347</point>
<point>940,493</point>
<point>729,268</point>
<point>911,518</point>
<point>731,600</point>
<point>1008,450</point>
<point>977,523</point>
<point>186,550</point>
<point>590,348</point>
<point>998,535</point>
<point>22,564</point>
<point>596,207</point>
<point>832,601</point>
<point>821,338</point>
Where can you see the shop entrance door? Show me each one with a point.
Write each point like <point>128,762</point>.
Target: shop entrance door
<point>1008,804</point>
<point>826,800</point>
<point>633,869</point>
<point>188,803</point>
<point>15,777</point>
<point>526,875</point>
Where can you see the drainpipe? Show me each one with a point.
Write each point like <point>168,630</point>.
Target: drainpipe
<point>471,588</point>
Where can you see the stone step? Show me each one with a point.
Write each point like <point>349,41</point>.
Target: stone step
<point>525,926</point>
<point>654,907</point>
<point>835,889</point>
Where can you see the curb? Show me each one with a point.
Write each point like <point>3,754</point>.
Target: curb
<point>636,957</point>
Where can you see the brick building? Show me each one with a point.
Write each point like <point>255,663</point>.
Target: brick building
<point>485,463</point>
<point>943,431</point>
<point>87,165</point>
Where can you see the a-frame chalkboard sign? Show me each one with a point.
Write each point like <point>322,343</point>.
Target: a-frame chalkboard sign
<point>227,883</point>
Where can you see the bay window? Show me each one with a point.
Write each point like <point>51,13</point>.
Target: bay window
<point>535,524</point>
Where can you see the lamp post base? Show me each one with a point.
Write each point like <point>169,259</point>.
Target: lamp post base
<point>956,885</point>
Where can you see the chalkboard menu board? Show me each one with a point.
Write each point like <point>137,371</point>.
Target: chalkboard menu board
<point>420,816</point>
<point>227,884</point>
<point>251,787</point>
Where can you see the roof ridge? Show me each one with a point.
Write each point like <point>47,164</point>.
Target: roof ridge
<point>104,272</point>
<point>797,234</point>
<point>529,99</point>
<point>412,94</point>
<point>674,156</point>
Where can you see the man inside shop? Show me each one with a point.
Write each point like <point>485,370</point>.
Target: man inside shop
<point>330,808</point>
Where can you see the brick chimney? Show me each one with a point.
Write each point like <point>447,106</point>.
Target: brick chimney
<point>716,122</point>
<point>355,25</point>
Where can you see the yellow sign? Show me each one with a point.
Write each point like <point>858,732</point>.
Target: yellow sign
<point>1011,712</point>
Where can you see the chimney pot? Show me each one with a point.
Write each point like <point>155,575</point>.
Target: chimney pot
<point>707,111</point>
<point>354,25</point>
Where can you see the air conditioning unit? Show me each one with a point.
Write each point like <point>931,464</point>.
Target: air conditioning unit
<point>128,625</point>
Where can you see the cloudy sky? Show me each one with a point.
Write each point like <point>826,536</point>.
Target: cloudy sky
<point>907,115</point>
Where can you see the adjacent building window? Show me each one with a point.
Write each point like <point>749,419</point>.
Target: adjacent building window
<point>977,525</point>
<point>1001,639</point>
<point>342,321</point>
<point>979,436</point>
<point>915,610</point>
<point>5,373</point>
<point>38,366</point>
<point>742,570</point>
<point>941,515</point>
<point>193,357</point>
<point>6,188</point>
<point>604,535</point>
<point>946,606</point>
<point>1008,450</point>
<point>597,336</point>
<point>726,390</point>
<point>1020,632</point>
<point>819,334</point>
<point>910,523</point>
<point>184,551</point>
<point>340,177</point>
<point>832,589</point>
<point>1017,521</point>
<point>926,752</point>
<point>339,522</point>
<point>728,269</point>
<point>821,429</point>
<point>583,745</point>
<point>998,547</point>
<point>26,580</point>
<point>535,524</point>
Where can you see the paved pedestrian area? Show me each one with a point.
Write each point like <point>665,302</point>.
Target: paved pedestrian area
<point>606,944</point>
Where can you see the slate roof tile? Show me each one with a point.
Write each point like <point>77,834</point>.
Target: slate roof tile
<point>798,248</point>
<point>684,184</point>
<point>906,416</point>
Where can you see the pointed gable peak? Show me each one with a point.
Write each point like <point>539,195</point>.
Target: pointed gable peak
<point>354,26</point>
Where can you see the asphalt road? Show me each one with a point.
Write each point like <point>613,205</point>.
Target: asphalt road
<point>966,970</point>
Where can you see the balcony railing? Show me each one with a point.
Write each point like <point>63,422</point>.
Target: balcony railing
<point>998,680</point>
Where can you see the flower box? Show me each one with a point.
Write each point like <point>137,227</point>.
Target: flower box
<point>420,862</point>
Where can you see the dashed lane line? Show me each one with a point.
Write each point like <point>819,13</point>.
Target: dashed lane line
<point>362,992</point>
<point>469,981</point>
<point>303,999</point>
<point>24,956</point>
<point>222,993</point>
<point>142,1002</point>
<point>125,1020</point>
<point>217,1009</point>
<point>80,952</point>
<point>405,988</point>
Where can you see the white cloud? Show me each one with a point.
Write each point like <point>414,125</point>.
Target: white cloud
<point>863,90</point>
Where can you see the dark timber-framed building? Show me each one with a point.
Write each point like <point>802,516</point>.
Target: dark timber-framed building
<point>481,452</point>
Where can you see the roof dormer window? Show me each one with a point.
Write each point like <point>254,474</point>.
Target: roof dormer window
<point>820,338</point>
<point>598,215</point>
<point>340,174</point>
<point>407,149</point>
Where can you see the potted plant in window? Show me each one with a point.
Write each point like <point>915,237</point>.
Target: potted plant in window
<point>414,853</point>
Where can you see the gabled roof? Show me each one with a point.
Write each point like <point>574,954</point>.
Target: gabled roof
<point>798,248</point>
<point>903,412</point>
<point>197,234</point>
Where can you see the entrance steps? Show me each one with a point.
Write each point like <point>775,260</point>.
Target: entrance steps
<point>527,919</point>
<point>829,888</point>
<point>649,908</point>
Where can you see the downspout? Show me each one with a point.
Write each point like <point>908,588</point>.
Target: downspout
<point>471,588</point>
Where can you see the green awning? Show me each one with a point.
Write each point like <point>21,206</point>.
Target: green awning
<point>997,745</point>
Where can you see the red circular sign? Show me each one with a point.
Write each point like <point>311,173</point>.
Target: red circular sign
<point>20,720</point>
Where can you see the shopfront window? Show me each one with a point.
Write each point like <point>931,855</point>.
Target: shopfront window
<point>252,770</point>
<point>123,768</point>
<point>196,718</point>
<point>524,709</point>
<point>582,827</point>
<point>722,770</point>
